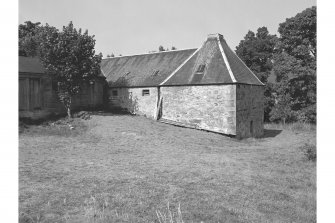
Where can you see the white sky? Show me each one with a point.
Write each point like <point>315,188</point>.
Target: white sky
<point>134,27</point>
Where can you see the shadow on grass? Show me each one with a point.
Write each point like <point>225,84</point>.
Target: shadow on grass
<point>113,112</point>
<point>270,133</point>
<point>50,118</point>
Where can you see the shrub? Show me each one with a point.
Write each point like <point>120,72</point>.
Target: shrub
<point>309,151</point>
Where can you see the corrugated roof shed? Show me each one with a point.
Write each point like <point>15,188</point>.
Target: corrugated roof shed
<point>30,65</point>
<point>143,70</point>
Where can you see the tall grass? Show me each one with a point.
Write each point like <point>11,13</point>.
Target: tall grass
<point>169,216</point>
<point>98,210</point>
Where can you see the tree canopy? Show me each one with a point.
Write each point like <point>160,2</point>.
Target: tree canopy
<point>291,57</point>
<point>298,37</point>
<point>295,68</point>
<point>161,48</point>
<point>256,50</point>
<point>28,39</point>
<point>67,55</point>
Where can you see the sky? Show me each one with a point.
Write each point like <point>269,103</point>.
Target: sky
<point>134,27</point>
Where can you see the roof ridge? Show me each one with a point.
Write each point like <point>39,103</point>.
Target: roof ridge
<point>169,51</point>
<point>226,60</point>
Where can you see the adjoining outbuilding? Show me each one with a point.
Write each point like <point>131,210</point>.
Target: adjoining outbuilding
<point>37,92</point>
<point>208,88</point>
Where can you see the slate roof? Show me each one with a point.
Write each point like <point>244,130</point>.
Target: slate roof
<point>215,71</point>
<point>143,70</point>
<point>222,66</point>
<point>170,68</point>
<point>240,71</point>
<point>30,65</point>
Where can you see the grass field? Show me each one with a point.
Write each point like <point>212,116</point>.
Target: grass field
<point>118,168</point>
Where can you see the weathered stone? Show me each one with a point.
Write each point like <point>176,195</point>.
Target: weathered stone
<point>134,100</point>
<point>249,115</point>
<point>229,109</point>
<point>201,105</point>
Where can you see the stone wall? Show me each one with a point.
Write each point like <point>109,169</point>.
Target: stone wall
<point>210,108</point>
<point>133,100</point>
<point>250,111</point>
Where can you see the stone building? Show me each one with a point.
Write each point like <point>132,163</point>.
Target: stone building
<point>208,88</point>
<point>37,92</point>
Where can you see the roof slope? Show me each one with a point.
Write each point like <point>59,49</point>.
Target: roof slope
<point>215,70</point>
<point>213,63</point>
<point>34,65</point>
<point>143,70</point>
<point>222,66</point>
<point>241,72</point>
<point>30,65</point>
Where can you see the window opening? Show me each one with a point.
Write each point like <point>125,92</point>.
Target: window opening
<point>201,68</point>
<point>145,92</point>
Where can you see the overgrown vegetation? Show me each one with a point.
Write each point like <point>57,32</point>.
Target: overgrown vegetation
<point>291,58</point>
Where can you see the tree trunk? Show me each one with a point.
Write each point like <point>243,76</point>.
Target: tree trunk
<point>69,115</point>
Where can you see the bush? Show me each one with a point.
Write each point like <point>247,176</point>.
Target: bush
<point>309,151</point>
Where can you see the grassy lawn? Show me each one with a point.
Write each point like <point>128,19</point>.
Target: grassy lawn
<point>118,168</point>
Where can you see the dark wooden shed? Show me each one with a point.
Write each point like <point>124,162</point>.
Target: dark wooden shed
<point>37,92</point>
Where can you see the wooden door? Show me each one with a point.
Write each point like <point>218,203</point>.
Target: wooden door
<point>34,93</point>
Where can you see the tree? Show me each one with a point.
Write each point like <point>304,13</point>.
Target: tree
<point>298,36</point>
<point>256,50</point>
<point>297,82</point>
<point>161,48</point>
<point>70,58</point>
<point>173,48</point>
<point>110,55</point>
<point>281,110</point>
<point>28,40</point>
<point>295,68</point>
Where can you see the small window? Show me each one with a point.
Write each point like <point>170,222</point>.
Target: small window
<point>114,93</point>
<point>201,68</point>
<point>155,72</point>
<point>145,92</point>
